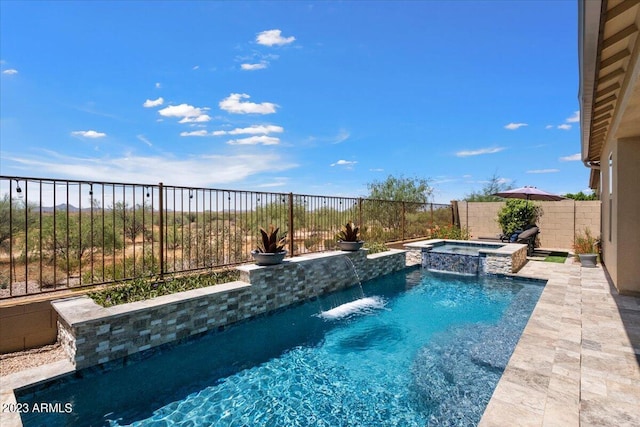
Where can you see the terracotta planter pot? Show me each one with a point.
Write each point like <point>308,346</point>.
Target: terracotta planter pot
<point>263,258</point>
<point>350,246</point>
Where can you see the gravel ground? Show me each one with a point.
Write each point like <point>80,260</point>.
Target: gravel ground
<point>11,363</point>
<point>34,288</point>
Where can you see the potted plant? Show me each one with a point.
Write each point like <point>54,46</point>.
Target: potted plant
<point>584,247</point>
<point>271,250</point>
<point>348,239</point>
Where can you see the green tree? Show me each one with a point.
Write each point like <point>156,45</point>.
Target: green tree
<point>494,185</point>
<point>132,219</point>
<point>581,196</point>
<point>71,236</point>
<point>390,203</point>
<point>401,189</point>
<point>20,219</point>
<point>17,227</point>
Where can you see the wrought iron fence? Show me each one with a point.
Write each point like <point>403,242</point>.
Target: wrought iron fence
<point>60,234</point>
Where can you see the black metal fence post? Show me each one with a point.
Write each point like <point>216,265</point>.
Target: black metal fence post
<point>291,227</point>
<point>161,226</point>
<point>404,214</point>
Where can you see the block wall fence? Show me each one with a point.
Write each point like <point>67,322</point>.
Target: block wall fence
<point>559,224</point>
<point>27,325</point>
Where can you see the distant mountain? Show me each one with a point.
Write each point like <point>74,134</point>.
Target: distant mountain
<point>62,207</point>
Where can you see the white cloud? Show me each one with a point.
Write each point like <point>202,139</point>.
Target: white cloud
<point>88,134</point>
<point>199,119</point>
<point>347,163</point>
<point>438,181</point>
<point>193,171</point>
<point>255,140</point>
<point>257,130</point>
<point>514,126</point>
<point>252,67</point>
<point>188,113</point>
<point>158,85</point>
<point>195,133</point>
<point>153,103</point>
<point>233,104</point>
<point>195,67</point>
<point>543,171</point>
<point>273,38</point>
<point>144,139</point>
<point>468,153</point>
<point>281,183</point>
<point>572,158</point>
<point>376,170</point>
<point>342,136</point>
<point>10,71</point>
<point>575,118</point>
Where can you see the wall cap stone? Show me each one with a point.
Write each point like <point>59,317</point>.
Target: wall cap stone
<point>82,309</point>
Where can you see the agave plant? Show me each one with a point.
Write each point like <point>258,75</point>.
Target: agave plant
<point>349,233</point>
<point>271,243</point>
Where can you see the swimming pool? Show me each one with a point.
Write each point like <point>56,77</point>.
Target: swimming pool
<point>425,349</point>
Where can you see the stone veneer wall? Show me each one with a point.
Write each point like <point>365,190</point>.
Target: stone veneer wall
<point>92,335</point>
<point>506,260</point>
<point>497,263</point>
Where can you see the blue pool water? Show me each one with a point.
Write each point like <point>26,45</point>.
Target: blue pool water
<point>461,249</point>
<point>424,349</point>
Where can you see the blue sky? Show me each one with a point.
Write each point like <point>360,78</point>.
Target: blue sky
<point>308,97</point>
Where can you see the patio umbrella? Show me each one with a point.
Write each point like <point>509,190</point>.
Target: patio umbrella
<point>528,193</point>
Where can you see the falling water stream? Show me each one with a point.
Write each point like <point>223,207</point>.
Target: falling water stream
<point>351,301</point>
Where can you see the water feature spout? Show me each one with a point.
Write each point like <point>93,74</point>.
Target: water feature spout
<point>347,301</point>
<point>355,270</point>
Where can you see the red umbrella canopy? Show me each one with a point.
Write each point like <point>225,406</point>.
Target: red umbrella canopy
<point>528,193</point>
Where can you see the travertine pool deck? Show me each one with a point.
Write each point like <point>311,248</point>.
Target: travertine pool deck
<point>576,364</point>
<point>577,361</point>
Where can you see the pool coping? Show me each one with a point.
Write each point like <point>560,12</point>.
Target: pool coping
<point>504,249</point>
<point>576,363</point>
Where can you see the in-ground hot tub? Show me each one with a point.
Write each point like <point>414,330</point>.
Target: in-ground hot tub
<point>470,257</point>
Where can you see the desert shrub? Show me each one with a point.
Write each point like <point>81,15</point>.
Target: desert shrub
<point>144,264</point>
<point>51,278</point>
<point>4,280</point>
<point>376,234</point>
<point>330,244</point>
<point>311,243</point>
<point>375,247</point>
<point>449,232</point>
